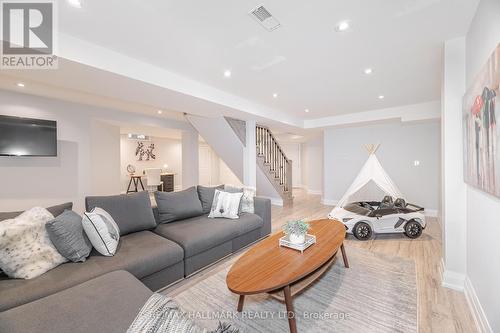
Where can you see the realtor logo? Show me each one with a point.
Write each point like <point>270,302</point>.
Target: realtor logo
<point>28,35</point>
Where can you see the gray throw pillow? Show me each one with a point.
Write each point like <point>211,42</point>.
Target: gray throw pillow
<point>206,195</point>
<point>174,206</point>
<point>131,212</point>
<point>67,235</point>
<point>54,210</point>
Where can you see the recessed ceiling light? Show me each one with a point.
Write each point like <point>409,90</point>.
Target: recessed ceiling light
<point>227,73</point>
<point>75,3</point>
<point>160,111</point>
<point>368,71</point>
<point>20,84</point>
<point>343,26</point>
<point>275,95</point>
<point>381,97</point>
<point>306,110</point>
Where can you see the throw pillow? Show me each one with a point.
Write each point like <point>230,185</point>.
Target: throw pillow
<point>225,205</point>
<point>67,235</point>
<point>247,202</point>
<point>102,231</point>
<point>173,206</point>
<point>206,195</point>
<point>25,247</point>
<point>132,212</point>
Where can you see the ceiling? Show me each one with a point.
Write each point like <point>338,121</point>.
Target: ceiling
<point>305,61</point>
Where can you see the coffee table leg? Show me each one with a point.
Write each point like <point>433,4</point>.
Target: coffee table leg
<point>289,309</point>
<point>240,303</point>
<point>344,256</point>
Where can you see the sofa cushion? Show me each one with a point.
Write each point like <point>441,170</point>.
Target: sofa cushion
<point>174,206</point>
<point>201,233</point>
<point>142,254</point>
<point>108,303</point>
<point>54,210</point>
<point>206,195</point>
<point>248,222</point>
<point>67,235</point>
<point>132,212</point>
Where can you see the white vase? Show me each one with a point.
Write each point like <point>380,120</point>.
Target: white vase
<point>297,238</point>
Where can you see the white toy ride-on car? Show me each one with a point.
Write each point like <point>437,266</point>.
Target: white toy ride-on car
<point>367,217</point>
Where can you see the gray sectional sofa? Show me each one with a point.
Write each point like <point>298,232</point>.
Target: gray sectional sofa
<point>155,253</point>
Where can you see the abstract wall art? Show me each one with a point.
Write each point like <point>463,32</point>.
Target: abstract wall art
<point>145,153</point>
<point>481,111</point>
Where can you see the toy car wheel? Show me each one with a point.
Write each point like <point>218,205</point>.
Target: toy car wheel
<point>413,229</point>
<point>362,231</point>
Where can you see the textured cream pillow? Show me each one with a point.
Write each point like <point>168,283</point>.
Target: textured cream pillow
<point>25,247</point>
<point>247,203</point>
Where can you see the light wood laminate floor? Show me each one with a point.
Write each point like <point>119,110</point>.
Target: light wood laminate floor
<point>440,309</point>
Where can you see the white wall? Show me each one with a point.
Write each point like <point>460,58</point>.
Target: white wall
<point>483,210</point>
<point>226,176</point>
<point>293,152</point>
<point>311,161</point>
<point>84,166</point>
<point>167,151</point>
<point>104,164</point>
<point>453,214</point>
<point>400,145</point>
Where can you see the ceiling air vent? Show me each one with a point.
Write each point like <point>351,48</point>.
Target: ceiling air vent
<point>262,15</point>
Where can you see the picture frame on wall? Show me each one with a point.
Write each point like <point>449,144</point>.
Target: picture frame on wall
<point>481,113</point>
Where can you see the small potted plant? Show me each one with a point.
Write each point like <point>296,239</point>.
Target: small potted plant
<point>296,231</point>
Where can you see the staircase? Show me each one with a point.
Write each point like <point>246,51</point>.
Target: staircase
<point>273,162</point>
<point>227,137</point>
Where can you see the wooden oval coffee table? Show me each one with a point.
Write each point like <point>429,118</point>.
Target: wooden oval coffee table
<point>284,272</point>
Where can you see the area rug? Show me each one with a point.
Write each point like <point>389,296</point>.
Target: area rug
<point>376,294</point>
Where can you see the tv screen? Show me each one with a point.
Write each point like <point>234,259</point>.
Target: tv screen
<point>27,137</point>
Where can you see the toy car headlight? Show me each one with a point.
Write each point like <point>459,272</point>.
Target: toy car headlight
<point>347,219</point>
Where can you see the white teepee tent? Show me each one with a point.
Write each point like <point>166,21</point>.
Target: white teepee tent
<point>371,171</point>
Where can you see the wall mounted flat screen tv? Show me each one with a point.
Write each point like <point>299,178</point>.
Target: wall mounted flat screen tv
<point>27,137</point>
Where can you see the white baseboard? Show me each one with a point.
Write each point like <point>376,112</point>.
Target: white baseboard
<point>482,324</point>
<point>328,202</point>
<point>274,201</point>
<point>452,280</point>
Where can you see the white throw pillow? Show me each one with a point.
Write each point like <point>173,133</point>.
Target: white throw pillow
<point>102,231</point>
<point>225,205</point>
<point>247,202</point>
<point>25,247</point>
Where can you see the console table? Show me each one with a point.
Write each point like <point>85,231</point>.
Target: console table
<point>166,178</point>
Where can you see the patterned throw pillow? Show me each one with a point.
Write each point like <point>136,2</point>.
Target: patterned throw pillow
<point>225,205</point>
<point>102,231</point>
<point>25,247</point>
<point>247,202</point>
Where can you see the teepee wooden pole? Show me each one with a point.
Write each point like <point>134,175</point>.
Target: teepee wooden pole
<point>372,147</point>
